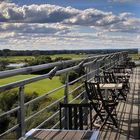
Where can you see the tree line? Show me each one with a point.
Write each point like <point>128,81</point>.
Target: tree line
<point>8,52</point>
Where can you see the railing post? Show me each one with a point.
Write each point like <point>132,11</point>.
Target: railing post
<point>21,113</point>
<point>110,61</point>
<point>87,69</point>
<point>66,90</point>
<point>97,68</point>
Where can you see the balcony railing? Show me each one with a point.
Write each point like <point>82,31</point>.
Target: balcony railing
<point>91,65</point>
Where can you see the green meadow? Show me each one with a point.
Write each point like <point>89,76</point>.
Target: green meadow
<point>134,56</point>
<point>18,59</point>
<point>40,87</point>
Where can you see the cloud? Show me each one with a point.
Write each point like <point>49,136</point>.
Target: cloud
<point>46,13</point>
<point>34,28</point>
<point>131,25</point>
<point>53,27</point>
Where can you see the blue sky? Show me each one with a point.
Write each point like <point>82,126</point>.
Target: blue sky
<point>116,7</point>
<point>69,24</point>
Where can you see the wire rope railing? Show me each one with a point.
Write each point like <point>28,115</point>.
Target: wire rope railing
<point>91,66</point>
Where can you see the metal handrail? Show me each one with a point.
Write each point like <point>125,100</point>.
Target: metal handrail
<point>54,72</point>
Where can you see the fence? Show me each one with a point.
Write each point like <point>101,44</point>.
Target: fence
<point>91,66</point>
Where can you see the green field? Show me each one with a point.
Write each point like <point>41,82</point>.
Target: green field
<point>18,59</point>
<point>134,56</point>
<point>39,87</point>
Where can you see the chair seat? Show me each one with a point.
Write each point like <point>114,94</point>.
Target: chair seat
<point>111,103</point>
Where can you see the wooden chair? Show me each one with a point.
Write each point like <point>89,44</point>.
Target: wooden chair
<point>110,78</point>
<point>96,102</point>
<point>100,103</point>
<point>119,69</point>
<point>99,78</point>
<point>75,116</point>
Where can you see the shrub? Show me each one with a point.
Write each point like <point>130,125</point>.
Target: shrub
<point>72,76</point>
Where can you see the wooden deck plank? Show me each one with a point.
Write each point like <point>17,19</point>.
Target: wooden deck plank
<point>42,135</point>
<point>78,135</point>
<point>87,135</point>
<point>56,135</point>
<point>128,114</point>
<point>70,135</point>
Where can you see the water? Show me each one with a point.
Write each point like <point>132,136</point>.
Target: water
<point>137,62</point>
<point>16,65</point>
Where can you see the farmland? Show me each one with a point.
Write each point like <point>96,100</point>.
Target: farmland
<point>39,87</point>
<point>18,59</point>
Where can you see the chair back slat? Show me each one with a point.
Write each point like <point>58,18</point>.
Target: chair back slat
<point>70,117</point>
<point>109,77</point>
<point>80,118</point>
<point>75,118</point>
<point>99,79</point>
<point>92,91</point>
<point>76,115</point>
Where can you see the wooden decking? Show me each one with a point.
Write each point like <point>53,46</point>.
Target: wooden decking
<point>128,114</point>
<point>54,134</point>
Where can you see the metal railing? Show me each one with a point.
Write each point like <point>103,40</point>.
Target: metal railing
<point>91,65</point>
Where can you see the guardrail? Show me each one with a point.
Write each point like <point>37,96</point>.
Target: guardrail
<point>91,65</point>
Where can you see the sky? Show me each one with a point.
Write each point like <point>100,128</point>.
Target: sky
<point>69,24</point>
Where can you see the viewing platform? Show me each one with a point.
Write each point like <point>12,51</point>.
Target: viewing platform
<point>30,126</point>
<point>128,114</point>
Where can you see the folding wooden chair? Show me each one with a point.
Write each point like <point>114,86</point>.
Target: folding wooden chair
<point>95,100</point>
<point>110,78</point>
<point>75,116</point>
<point>96,97</point>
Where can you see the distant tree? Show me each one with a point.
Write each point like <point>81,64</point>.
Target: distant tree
<point>61,58</point>
<point>3,64</point>
<point>72,76</point>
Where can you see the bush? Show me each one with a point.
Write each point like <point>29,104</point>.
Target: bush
<point>72,76</point>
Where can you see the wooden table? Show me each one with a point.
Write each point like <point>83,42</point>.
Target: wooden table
<point>108,86</point>
<point>56,134</point>
<point>122,75</point>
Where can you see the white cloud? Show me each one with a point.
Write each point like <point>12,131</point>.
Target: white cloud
<point>53,27</point>
<point>33,28</point>
<point>46,13</point>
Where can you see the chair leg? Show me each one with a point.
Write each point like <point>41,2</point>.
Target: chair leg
<point>98,112</point>
<point>122,94</point>
<point>109,114</point>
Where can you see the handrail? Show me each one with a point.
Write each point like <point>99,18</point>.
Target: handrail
<point>37,78</point>
<point>30,69</point>
<point>57,69</point>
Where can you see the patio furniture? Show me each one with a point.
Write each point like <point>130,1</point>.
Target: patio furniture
<point>100,103</point>
<point>111,78</point>
<point>74,117</point>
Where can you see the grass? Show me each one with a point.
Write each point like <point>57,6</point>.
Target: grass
<point>18,59</point>
<point>134,56</point>
<point>39,87</point>
<point>73,56</point>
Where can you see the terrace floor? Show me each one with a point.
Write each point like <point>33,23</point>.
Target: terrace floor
<point>128,115</point>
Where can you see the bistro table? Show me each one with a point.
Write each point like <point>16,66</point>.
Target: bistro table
<point>110,86</point>
<point>57,134</point>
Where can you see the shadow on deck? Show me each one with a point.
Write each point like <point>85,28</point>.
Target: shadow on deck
<point>128,114</point>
